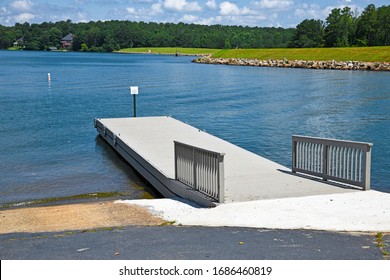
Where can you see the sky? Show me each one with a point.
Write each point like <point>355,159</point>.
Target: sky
<point>263,13</point>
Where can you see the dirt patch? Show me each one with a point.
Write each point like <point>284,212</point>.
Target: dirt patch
<point>75,217</point>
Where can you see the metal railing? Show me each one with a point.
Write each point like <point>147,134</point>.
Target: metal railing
<point>342,161</point>
<point>201,169</point>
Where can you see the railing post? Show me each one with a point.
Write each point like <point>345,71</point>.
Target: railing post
<point>325,164</point>
<point>294,154</point>
<point>175,157</point>
<point>221,179</point>
<point>194,162</point>
<point>367,168</point>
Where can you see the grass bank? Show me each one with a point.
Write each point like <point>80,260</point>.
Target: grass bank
<point>181,51</point>
<point>14,49</point>
<point>364,54</point>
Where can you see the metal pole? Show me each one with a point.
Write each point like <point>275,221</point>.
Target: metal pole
<point>135,105</point>
<point>134,92</point>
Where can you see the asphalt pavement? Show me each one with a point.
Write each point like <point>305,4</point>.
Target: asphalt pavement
<point>193,243</point>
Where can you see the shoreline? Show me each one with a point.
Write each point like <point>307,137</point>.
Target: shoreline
<point>157,53</point>
<point>368,212</point>
<point>305,64</point>
<point>78,216</point>
<point>360,211</point>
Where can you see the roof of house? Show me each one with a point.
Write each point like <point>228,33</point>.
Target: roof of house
<point>68,37</point>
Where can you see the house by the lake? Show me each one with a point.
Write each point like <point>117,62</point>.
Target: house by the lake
<point>19,43</point>
<point>67,41</point>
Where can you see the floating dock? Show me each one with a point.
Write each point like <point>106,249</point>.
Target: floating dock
<point>147,143</point>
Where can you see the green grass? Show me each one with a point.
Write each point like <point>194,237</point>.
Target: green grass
<point>167,223</point>
<point>366,54</point>
<point>382,245</point>
<point>14,49</point>
<point>185,51</point>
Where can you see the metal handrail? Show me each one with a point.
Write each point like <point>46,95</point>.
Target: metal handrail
<point>201,169</point>
<point>342,161</point>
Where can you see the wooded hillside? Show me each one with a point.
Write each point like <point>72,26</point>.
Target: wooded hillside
<point>342,28</point>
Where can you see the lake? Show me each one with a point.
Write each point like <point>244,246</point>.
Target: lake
<point>49,147</point>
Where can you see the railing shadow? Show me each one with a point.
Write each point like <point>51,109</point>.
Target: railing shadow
<point>320,180</point>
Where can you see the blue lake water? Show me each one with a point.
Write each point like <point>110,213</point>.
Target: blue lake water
<point>49,148</point>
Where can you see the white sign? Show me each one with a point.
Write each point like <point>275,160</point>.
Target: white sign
<point>134,90</point>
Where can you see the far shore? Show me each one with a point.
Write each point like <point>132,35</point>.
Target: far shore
<point>351,58</point>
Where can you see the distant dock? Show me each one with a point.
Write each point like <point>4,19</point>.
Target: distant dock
<point>163,150</point>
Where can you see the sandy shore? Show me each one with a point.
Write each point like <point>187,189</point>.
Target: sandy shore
<point>355,212</point>
<point>74,217</point>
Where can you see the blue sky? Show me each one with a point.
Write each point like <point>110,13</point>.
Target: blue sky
<point>264,13</point>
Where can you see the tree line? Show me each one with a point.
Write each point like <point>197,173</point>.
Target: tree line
<point>343,27</point>
<point>114,35</point>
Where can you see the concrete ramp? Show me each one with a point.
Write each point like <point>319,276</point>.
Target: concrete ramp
<point>147,143</point>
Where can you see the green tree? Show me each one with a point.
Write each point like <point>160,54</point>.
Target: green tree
<point>332,30</point>
<point>227,44</point>
<point>110,43</point>
<point>84,47</point>
<point>340,28</point>
<point>55,36</point>
<point>367,26</point>
<point>384,25</point>
<point>309,34</point>
<point>7,38</point>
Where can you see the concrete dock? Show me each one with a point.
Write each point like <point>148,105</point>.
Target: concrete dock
<point>147,143</point>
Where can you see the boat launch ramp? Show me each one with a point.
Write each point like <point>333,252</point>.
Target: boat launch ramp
<point>180,160</point>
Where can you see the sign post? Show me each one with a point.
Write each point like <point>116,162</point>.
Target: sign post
<point>134,93</point>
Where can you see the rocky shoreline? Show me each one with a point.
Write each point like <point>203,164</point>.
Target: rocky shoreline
<point>308,64</point>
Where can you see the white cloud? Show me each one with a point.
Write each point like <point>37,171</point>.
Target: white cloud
<point>274,4</point>
<point>228,9</point>
<point>22,5</point>
<point>231,9</point>
<point>210,20</point>
<point>23,17</point>
<point>131,10</point>
<point>212,4</point>
<point>328,9</point>
<point>182,5</point>
<point>156,8</point>
<point>133,1</point>
<point>189,18</point>
<point>232,14</point>
<point>82,17</point>
<point>299,12</point>
<point>309,11</point>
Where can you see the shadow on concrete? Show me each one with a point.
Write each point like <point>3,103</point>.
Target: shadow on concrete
<point>321,180</point>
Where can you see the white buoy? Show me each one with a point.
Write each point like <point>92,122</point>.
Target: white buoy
<point>48,77</point>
